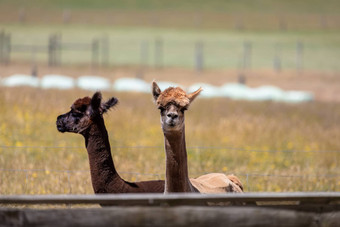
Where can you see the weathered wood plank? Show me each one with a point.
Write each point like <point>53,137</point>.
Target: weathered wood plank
<point>192,199</point>
<point>166,216</point>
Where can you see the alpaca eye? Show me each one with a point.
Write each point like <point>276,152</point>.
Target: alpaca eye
<point>161,108</point>
<point>183,109</point>
<point>76,114</point>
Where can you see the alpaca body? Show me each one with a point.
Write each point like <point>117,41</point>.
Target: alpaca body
<point>215,183</point>
<point>173,102</point>
<point>86,119</point>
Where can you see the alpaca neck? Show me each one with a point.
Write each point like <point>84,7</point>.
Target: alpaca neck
<point>103,172</point>
<point>177,177</point>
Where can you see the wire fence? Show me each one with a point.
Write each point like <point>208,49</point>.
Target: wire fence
<point>161,147</point>
<point>158,52</point>
<point>255,176</point>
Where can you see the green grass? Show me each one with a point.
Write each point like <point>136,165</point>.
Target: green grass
<point>300,6</point>
<point>239,137</point>
<point>222,49</point>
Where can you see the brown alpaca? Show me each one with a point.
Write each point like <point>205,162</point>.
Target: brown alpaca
<point>172,103</point>
<point>86,118</point>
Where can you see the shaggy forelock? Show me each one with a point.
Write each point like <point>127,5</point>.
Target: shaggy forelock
<point>174,95</point>
<point>79,104</point>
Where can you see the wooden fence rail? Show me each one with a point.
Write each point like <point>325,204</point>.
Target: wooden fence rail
<point>253,209</point>
<point>188,199</point>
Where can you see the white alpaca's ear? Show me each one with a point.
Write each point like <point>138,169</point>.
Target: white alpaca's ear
<point>156,91</point>
<point>193,95</point>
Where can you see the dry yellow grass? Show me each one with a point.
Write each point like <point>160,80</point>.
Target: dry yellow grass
<point>222,136</point>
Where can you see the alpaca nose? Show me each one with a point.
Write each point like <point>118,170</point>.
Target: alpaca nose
<point>60,120</point>
<point>172,115</point>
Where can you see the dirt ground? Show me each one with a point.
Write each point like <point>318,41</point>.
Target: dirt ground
<point>324,86</point>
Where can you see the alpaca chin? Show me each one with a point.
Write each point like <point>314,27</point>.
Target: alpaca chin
<point>171,127</point>
<point>61,129</point>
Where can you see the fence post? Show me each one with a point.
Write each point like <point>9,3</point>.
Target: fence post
<point>199,56</point>
<point>299,56</point>
<point>33,60</point>
<point>58,48</point>
<point>105,50</point>
<point>95,52</point>
<point>2,33</point>
<point>247,46</point>
<point>54,50</point>
<point>6,48</point>
<point>277,58</point>
<point>51,43</point>
<point>159,53</point>
<point>144,53</point>
<point>241,78</point>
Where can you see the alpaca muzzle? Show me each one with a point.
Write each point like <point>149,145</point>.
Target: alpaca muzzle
<point>60,124</point>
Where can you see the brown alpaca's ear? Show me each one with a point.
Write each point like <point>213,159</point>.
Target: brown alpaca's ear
<point>94,109</point>
<point>108,104</point>
<point>193,95</point>
<point>156,91</point>
<point>96,100</point>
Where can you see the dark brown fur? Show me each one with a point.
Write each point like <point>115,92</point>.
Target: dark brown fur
<point>90,124</point>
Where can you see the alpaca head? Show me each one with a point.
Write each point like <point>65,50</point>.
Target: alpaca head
<point>84,112</point>
<point>172,103</point>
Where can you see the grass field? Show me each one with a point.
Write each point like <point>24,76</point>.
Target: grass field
<point>305,6</point>
<point>271,146</point>
<point>231,14</point>
<point>221,49</point>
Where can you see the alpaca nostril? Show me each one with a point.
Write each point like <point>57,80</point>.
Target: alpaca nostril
<point>172,115</point>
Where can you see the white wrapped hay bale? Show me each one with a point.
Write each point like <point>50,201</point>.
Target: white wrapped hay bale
<point>209,91</point>
<point>236,91</point>
<point>18,80</point>
<point>93,83</point>
<point>268,93</point>
<point>131,85</point>
<point>53,81</point>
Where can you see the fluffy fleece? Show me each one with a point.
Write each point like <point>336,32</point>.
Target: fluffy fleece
<point>174,95</point>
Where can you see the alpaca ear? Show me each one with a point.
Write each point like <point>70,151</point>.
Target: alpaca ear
<point>96,100</point>
<point>193,95</point>
<point>156,91</point>
<point>108,104</point>
<point>94,110</point>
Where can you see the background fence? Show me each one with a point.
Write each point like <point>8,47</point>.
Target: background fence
<point>158,52</point>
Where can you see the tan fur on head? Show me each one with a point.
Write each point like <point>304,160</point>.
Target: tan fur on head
<point>173,95</point>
